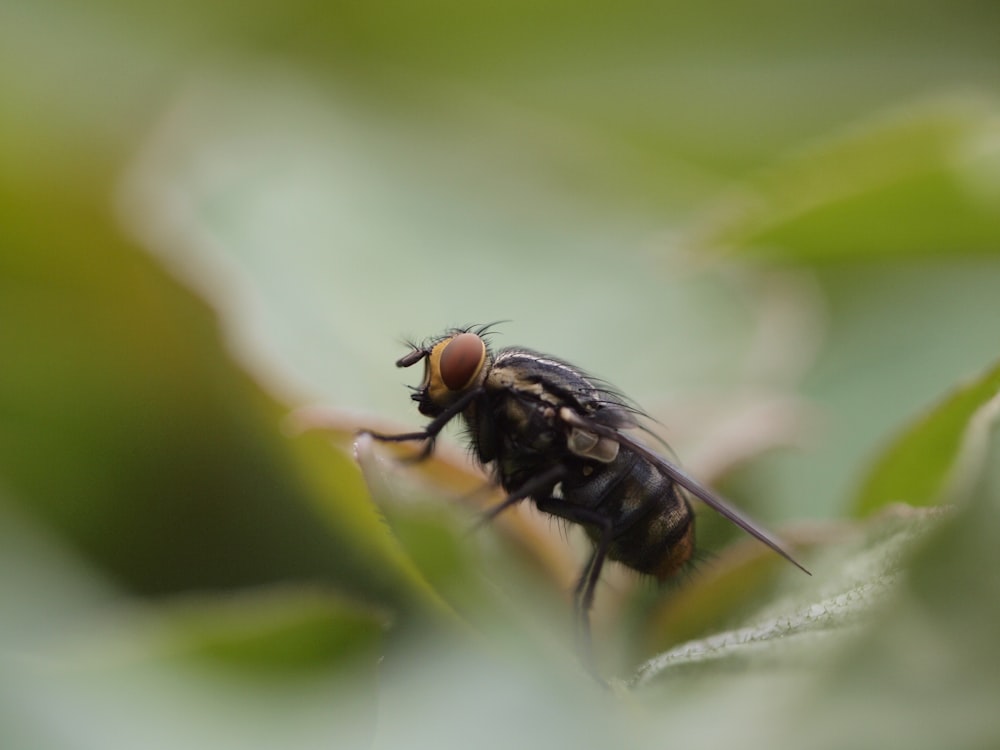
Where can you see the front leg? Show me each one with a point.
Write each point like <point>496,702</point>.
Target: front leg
<point>430,432</point>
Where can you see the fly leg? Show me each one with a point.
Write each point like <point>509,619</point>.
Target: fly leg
<point>540,486</point>
<point>583,593</point>
<point>430,432</point>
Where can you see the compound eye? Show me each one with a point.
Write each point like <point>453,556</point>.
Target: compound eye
<point>461,360</point>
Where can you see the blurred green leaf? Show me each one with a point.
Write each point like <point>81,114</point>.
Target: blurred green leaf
<point>82,665</point>
<point>919,179</point>
<point>282,633</point>
<point>931,664</point>
<point>255,671</point>
<point>129,430</point>
<point>938,457</point>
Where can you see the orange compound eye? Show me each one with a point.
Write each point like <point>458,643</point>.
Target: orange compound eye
<point>461,360</point>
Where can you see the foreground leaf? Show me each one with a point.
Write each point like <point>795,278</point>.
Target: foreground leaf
<point>852,582</point>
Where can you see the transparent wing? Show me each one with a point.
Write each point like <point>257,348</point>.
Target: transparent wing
<point>685,480</point>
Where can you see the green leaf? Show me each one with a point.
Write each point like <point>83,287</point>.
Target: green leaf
<point>256,671</point>
<point>852,579</point>
<point>923,179</point>
<point>83,665</point>
<point>279,633</point>
<point>939,456</point>
<point>131,431</point>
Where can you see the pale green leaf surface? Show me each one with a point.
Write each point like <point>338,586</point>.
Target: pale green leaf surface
<point>852,583</point>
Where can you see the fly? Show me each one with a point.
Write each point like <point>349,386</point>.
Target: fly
<point>555,436</point>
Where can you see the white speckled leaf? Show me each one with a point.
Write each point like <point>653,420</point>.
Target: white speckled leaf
<point>852,582</point>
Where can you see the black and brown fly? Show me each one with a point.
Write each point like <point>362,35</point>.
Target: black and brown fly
<point>554,435</point>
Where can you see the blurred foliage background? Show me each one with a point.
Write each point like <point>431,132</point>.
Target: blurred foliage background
<point>776,226</point>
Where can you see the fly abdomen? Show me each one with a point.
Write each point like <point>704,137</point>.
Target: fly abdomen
<point>652,528</point>
<point>663,542</point>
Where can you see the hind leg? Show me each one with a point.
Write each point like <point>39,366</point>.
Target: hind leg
<point>583,593</point>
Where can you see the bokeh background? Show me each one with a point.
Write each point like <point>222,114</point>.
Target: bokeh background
<point>775,226</point>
